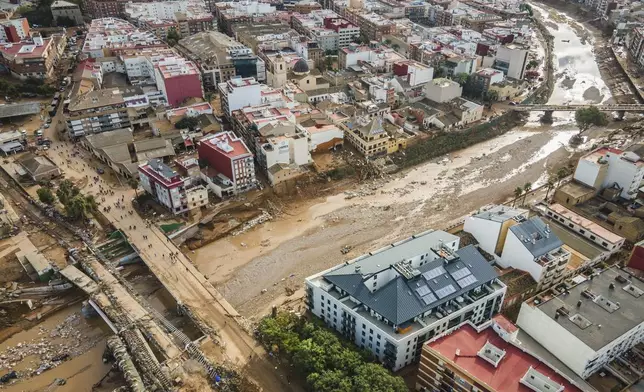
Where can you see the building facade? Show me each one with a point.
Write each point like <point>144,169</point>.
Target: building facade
<point>65,9</point>
<point>531,246</point>
<point>169,189</point>
<point>394,299</point>
<point>608,166</point>
<point>238,93</point>
<point>232,169</point>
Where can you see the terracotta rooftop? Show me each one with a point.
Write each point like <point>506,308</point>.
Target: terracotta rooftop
<point>512,367</point>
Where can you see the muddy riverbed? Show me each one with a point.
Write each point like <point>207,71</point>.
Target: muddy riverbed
<point>255,269</point>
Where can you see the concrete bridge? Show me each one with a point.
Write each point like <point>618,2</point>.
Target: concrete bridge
<point>572,108</point>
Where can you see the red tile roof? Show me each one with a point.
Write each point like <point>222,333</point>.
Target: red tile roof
<point>512,367</point>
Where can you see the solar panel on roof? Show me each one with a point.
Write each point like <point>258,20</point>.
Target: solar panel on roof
<point>460,274</point>
<point>431,274</point>
<point>445,291</point>
<point>423,290</point>
<point>466,281</point>
<point>429,298</point>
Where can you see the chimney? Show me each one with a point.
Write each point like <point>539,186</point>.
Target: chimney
<point>579,304</point>
<point>611,286</point>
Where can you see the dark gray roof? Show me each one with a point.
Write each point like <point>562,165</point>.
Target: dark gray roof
<point>36,164</point>
<point>301,66</point>
<point>537,237</point>
<point>400,300</point>
<point>614,322</point>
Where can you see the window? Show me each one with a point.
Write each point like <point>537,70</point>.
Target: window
<point>378,336</point>
<point>371,331</point>
<point>335,306</point>
<point>592,237</point>
<point>371,338</point>
<point>362,340</point>
<point>375,284</point>
<point>377,351</point>
<point>363,334</point>
<point>364,326</point>
<point>571,225</point>
<point>604,243</point>
<point>328,301</point>
<point>370,345</point>
<point>582,231</point>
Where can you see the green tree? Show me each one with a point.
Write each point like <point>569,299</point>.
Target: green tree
<point>562,173</point>
<point>187,123</point>
<point>173,36</point>
<point>492,96</point>
<point>526,188</point>
<point>134,183</point>
<point>533,64</point>
<point>387,42</point>
<point>67,191</point>
<point>587,117</point>
<point>65,21</point>
<point>395,47</point>
<point>550,185</point>
<point>461,78</point>
<point>372,377</point>
<point>330,381</point>
<point>80,207</point>
<point>517,193</point>
<point>309,357</point>
<point>45,195</point>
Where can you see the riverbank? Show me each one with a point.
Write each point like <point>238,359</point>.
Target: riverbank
<point>613,72</point>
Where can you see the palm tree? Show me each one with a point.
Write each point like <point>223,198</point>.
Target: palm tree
<point>549,186</point>
<point>527,188</point>
<point>561,174</point>
<point>517,193</point>
<point>134,183</point>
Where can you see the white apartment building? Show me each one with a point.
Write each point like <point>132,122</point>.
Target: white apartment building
<point>590,324</point>
<point>532,247</point>
<point>238,93</point>
<point>169,189</point>
<point>490,227</point>
<point>443,90</point>
<point>585,227</point>
<point>512,60</point>
<point>607,166</point>
<point>391,300</point>
<point>282,142</point>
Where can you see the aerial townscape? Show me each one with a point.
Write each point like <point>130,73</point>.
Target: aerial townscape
<point>321,196</point>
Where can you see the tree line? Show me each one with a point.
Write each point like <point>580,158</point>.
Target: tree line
<point>77,206</point>
<point>329,364</point>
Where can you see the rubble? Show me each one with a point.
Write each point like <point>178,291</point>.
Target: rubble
<point>51,348</point>
<point>263,217</point>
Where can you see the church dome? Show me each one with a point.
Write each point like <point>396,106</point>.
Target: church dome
<point>301,67</point>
